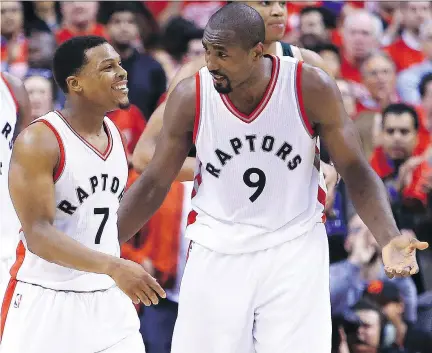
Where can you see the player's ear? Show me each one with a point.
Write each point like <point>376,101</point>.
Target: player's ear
<point>73,84</point>
<point>258,51</point>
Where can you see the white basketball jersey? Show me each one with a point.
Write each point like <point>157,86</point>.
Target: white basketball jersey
<point>88,188</point>
<point>258,182</point>
<point>9,223</point>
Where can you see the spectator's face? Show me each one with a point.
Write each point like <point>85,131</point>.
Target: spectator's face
<point>332,62</point>
<point>426,41</point>
<point>11,17</point>
<point>313,23</point>
<point>427,99</point>
<point>102,80</point>
<point>122,28</point>
<point>399,136</point>
<point>44,5</point>
<point>347,97</point>
<point>274,14</point>
<point>79,13</point>
<point>415,13</point>
<point>40,94</point>
<point>359,37</point>
<point>368,333</point>
<point>379,77</point>
<point>195,50</point>
<point>41,47</point>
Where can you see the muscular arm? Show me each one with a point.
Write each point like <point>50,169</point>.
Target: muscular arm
<point>147,193</point>
<point>34,159</point>
<point>324,108</point>
<point>24,109</point>
<point>145,147</point>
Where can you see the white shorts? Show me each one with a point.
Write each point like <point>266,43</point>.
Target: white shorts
<point>271,301</point>
<point>43,320</point>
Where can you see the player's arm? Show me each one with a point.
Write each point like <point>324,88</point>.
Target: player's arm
<point>148,192</point>
<point>34,160</point>
<point>145,147</point>
<point>324,109</point>
<point>24,108</point>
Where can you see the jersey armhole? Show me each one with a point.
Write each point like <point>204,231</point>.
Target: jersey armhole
<point>197,106</point>
<point>59,168</point>
<point>300,104</point>
<point>9,86</point>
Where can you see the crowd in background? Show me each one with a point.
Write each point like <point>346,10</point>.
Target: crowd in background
<point>380,54</point>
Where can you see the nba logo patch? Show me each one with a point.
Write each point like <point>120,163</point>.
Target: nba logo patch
<point>17,301</point>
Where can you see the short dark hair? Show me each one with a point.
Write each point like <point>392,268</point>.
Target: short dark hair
<point>120,6</point>
<point>320,47</point>
<point>425,80</point>
<point>70,57</point>
<point>329,18</point>
<point>399,109</point>
<point>245,22</point>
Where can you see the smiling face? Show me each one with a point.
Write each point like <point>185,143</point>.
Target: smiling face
<point>102,80</point>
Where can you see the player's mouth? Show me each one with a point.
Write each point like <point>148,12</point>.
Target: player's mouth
<point>121,87</point>
<point>218,78</point>
<point>276,25</point>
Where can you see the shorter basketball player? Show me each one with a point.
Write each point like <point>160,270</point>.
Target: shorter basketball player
<point>70,292</point>
<point>257,276</point>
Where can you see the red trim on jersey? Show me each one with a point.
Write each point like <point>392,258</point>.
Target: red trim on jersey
<point>191,217</point>
<point>62,159</point>
<point>8,85</point>
<point>264,100</point>
<point>298,85</point>
<point>197,106</point>
<point>189,249</point>
<point>8,296</point>
<point>108,148</point>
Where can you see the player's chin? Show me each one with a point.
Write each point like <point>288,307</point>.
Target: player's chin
<point>123,103</point>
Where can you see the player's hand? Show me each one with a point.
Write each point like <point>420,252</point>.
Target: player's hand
<point>399,255</point>
<point>136,283</point>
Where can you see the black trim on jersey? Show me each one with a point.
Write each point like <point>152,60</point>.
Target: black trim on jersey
<point>286,49</point>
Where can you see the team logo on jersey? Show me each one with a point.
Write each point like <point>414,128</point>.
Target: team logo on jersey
<point>251,143</point>
<point>7,133</point>
<point>17,301</point>
<point>96,184</point>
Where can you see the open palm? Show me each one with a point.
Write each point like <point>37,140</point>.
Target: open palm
<point>399,255</point>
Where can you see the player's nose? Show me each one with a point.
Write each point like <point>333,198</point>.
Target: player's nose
<point>122,73</point>
<point>277,9</point>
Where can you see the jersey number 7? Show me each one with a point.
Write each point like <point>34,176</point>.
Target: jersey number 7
<point>105,212</point>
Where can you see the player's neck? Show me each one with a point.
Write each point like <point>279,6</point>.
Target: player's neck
<point>83,118</point>
<point>270,48</point>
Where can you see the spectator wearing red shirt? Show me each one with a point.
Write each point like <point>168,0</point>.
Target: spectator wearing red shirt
<point>79,19</point>
<point>361,32</point>
<point>406,50</point>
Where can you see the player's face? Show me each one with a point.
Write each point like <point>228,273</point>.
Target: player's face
<point>274,14</point>
<point>229,64</point>
<point>103,81</point>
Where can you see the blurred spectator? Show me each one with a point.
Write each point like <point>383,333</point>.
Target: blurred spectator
<point>175,45</point>
<point>379,77</point>
<point>406,50</point>
<point>391,16</point>
<point>330,54</point>
<point>409,79</point>
<point>361,34</point>
<point>425,90</point>
<point>349,278</point>
<point>146,78</point>
<point>42,15</point>
<point>317,21</point>
<point>425,311</point>
<point>41,47</point>
<point>79,18</point>
<point>13,41</point>
<point>41,94</point>
<point>408,337</point>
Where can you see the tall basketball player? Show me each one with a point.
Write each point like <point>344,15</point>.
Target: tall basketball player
<point>274,14</point>
<point>257,277</point>
<point>70,291</point>
<point>15,115</point>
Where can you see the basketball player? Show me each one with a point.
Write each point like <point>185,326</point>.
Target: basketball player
<point>15,115</point>
<point>274,14</point>
<point>257,276</point>
<point>70,291</point>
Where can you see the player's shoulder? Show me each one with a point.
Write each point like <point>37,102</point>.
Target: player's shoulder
<point>16,87</point>
<point>40,139</point>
